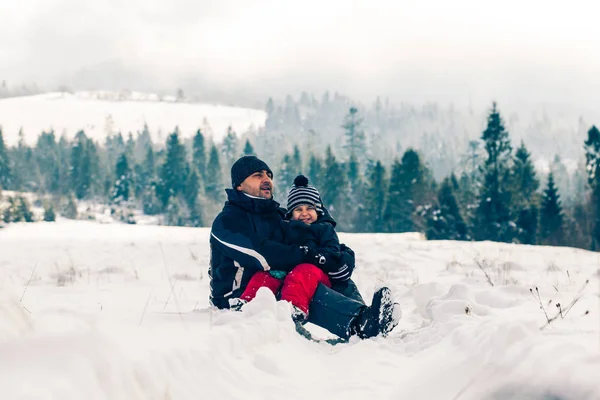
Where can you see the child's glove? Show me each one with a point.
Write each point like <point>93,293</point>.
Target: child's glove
<point>312,256</point>
<point>332,262</point>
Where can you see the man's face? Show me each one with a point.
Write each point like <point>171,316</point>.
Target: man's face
<point>259,184</point>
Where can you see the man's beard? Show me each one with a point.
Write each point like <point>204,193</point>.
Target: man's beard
<point>263,189</point>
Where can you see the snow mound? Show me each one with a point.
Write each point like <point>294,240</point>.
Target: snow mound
<point>459,301</point>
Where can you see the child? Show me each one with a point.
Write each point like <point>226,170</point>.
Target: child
<point>308,225</point>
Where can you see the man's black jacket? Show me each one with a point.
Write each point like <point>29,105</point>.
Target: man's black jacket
<point>246,237</point>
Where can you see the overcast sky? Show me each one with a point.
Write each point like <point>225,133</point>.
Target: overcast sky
<point>415,50</point>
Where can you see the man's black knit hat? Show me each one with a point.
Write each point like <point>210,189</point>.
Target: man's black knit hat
<point>246,166</point>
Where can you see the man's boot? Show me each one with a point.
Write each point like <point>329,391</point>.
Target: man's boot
<point>379,318</point>
<point>345,317</point>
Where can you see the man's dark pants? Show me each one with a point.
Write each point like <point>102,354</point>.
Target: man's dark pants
<point>335,308</point>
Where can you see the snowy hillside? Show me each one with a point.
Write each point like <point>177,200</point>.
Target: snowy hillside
<point>93,311</point>
<point>100,112</point>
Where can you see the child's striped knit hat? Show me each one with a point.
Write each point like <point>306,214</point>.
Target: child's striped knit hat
<point>302,193</point>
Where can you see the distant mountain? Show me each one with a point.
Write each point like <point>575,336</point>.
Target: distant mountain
<point>101,113</point>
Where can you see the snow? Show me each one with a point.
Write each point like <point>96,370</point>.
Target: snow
<point>114,311</point>
<point>100,112</point>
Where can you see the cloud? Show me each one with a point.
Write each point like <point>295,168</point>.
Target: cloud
<point>429,49</point>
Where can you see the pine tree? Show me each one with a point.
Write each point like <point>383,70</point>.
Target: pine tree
<point>408,188</point>
<point>419,177</point>
<point>446,221</point>
<point>174,213</point>
<point>195,218</point>
<point>191,196</point>
<point>332,183</point>
<point>592,155</point>
<point>192,188</point>
<point>296,161</point>
<point>354,194</point>
<point>551,218</point>
<point>49,214</point>
<point>149,165</point>
<point>525,201</point>
<point>97,176</point>
<point>199,154</point>
<point>493,217</point>
<point>122,184</point>
<point>229,147</point>
<point>526,181</point>
<point>353,168</point>
<point>144,173</point>
<point>23,176</point>
<point>470,181</point>
<point>291,115</point>
<point>269,106</point>
<point>354,135</point>
<point>248,149</point>
<point>527,225</point>
<point>81,166</point>
<point>151,205</point>
<point>7,213</point>
<point>142,142</point>
<point>577,226</point>
<point>18,210</point>
<point>286,175</point>
<point>291,165</point>
<point>399,208</point>
<point>62,174</point>
<point>5,173</point>
<point>304,99</point>
<point>214,181</point>
<point>272,122</point>
<point>375,197</point>
<point>70,210</point>
<point>315,171</point>
<point>564,180</point>
<point>130,146</point>
<point>174,171</point>
<point>48,161</point>
<point>592,158</point>
<point>114,146</point>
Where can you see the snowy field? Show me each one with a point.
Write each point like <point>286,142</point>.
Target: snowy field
<point>90,111</point>
<point>109,311</point>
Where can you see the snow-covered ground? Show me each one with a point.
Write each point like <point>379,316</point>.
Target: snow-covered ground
<point>100,112</point>
<point>111,311</point>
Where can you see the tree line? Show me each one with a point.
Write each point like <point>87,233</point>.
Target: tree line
<point>499,197</point>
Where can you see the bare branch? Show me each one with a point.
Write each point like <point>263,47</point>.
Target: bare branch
<point>28,282</point>
<point>145,307</point>
<point>539,298</point>
<point>479,264</point>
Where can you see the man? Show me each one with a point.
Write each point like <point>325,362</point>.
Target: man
<point>247,237</point>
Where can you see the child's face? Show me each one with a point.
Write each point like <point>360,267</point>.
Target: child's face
<point>305,213</point>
